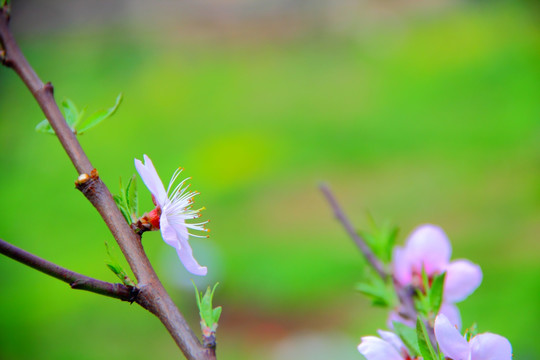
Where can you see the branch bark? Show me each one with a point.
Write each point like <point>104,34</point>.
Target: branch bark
<point>75,280</point>
<point>375,263</point>
<point>152,295</point>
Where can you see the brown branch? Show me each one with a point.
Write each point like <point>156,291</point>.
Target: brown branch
<point>152,295</point>
<point>75,280</point>
<point>361,243</point>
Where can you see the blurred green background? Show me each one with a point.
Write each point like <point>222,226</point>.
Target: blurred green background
<point>418,111</point>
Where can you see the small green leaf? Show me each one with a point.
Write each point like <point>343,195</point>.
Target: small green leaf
<point>120,202</point>
<point>217,314</point>
<point>45,127</point>
<point>408,336</point>
<point>436,292</point>
<point>424,343</point>
<point>116,268</point>
<point>377,290</point>
<point>133,198</point>
<point>71,113</point>
<point>98,116</point>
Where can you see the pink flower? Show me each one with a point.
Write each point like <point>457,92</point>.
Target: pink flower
<point>429,248</point>
<point>484,346</point>
<point>172,210</point>
<point>390,347</point>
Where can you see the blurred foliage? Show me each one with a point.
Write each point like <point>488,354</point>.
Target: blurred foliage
<point>433,119</point>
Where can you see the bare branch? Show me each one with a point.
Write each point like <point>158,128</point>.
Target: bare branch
<point>152,295</point>
<point>75,280</point>
<point>361,243</point>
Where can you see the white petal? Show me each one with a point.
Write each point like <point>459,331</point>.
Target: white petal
<point>392,339</point>
<point>401,267</point>
<point>462,278</point>
<point>450,341</point>
<point>185,253</point>
<point>452,314</point>
<point>489,346</point>
<point>428,247</point>
<point>168,232</point>
<point>151,179</point>
<point>374,348</point>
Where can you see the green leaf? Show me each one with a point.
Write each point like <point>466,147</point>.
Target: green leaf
<point>408,336</point>
<point>71,113</point>
<point>116,268</point>
<point>377,290</point>
<point>132,198</point>
<point>216,314</point>
<point>436,292</point>
<point>98,116</point>
<point>45,127</point>
<point>424,344</point>
<point>120,202</point>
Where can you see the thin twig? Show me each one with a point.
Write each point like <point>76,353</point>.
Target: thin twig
<point>152,295</point>
<point>405,294</point>
<point>361,243</point>
<point>75,280</point>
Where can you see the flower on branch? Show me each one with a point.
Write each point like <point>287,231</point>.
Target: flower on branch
<point>172,210</point>
<point>390,347</point>
<point>486,346</point>
<point>428,249</point>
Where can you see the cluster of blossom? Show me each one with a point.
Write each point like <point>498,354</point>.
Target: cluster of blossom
<point>426,255</point>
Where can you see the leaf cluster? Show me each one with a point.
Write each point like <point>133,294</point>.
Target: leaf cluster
<point>76,119</point>
<point>128,200</point>
<point>209,315</point>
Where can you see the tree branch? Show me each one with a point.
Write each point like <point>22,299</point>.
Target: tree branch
<point>375,263</point>
<point>152,295</point>
<point>75,280</point>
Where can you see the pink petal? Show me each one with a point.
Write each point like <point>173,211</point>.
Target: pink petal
<point>489,346</point>
<point>401,267</point>
<point>452,314</point>
<point>392,339</point>
<point>429,247</point>
<point>450,341</point>
<point>462,278</point>
<point>185,253</point>
<point>151,179</point>
<point>374,348</point>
